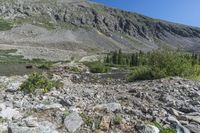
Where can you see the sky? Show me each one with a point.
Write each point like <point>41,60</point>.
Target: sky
<point>178,11</point>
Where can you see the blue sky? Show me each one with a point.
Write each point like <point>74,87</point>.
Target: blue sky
<point>179,11</point>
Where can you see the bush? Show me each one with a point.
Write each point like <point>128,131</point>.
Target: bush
<point>39,81</point>
<point>173,63</point>
<point>160,64</point>
<point>45,66</point>
<point>145,73</point>
<point>140,73</point>
<point>97,67</point>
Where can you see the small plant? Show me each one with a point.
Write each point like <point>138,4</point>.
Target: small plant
<point>39,81</point>
<point>117,120</point>
<point>88,120</point>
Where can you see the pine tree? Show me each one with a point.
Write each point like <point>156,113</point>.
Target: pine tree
<point>120,57</point>
<point>114,58</point>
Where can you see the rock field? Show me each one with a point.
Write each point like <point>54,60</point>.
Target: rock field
<point>106,106</point>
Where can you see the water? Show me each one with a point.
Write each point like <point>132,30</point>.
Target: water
<point>17,69</point>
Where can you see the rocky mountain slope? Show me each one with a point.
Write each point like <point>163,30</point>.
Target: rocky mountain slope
<point>81,26</point>
<point>104,106</point>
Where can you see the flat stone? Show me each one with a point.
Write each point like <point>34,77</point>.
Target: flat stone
<point>110,107</point>
<point>148,129</point>
<point>49,106</point>
<point>72,122</point>
<point>8,112</point>
<point>193,128</point>
<point>194,118</point>
<point>43,127</point>
<point>31,122</point>
<point>181,129</point>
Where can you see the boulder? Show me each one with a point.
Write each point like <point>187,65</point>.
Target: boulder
<point>72,122</point>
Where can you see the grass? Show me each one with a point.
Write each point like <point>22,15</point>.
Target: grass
<point>8,57</point>
<point>5,25</point>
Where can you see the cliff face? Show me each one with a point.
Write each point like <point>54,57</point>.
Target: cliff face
<point>121,29</point>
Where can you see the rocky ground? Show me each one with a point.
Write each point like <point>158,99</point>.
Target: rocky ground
<point>110,106</point>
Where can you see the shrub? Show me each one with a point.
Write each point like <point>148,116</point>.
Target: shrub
<point>45,66</point>
<point>173,63</point>
<point>39,81</point>
<point>145,73</point>
<point>140,73</point>
<point>97,67</point>
<point>160,64</point>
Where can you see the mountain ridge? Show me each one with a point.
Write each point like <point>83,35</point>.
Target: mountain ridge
<point>97,27</point>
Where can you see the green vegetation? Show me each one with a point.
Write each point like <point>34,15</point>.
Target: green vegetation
<point>164,130</point>
<point>6,57</point>
<point>9,57</point>
<point>156,64</point>
<point>117,120</point>
<point>97,67</point>
<point>39,81</point>
<point>87,120</point>
<point>45,66</point>
<point>5,25</point>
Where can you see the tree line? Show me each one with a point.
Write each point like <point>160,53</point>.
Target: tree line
<point>141,58</point>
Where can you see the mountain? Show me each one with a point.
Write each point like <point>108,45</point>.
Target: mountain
<point>81,27</point>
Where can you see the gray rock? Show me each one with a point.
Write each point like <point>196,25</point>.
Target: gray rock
<point>49,106</point>
<point>9,112</point>
<point>193,128</point>
<point>31,122</point>
<point>110,107</point>
<point>148,129</point>
<point>43,127</point>
<point>72,122</point>
<point>46,127</point>
<point>194,118</point>
<point>3,128</point>
<point>13,86</point>
<point>181,129</point>
<point>172,120</point>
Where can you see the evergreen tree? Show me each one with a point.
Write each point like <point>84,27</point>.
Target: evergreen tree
<point>115,58</point>
<point>120,57</point>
